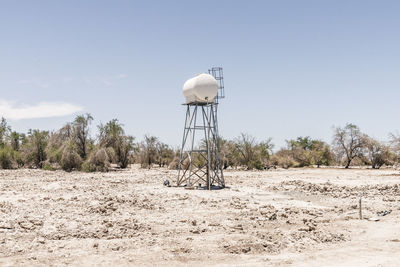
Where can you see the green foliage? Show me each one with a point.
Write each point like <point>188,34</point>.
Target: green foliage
<point>72,148</point>
<point>70,159</point>
<point>6,158</point>
<point>305,151</point>
<point>9,158</point>
<point>47,167</point>
<point>16,140</point>
<point>377,154</point>
<point>5,130</point>
<point>284,158</point>
<point>349,143</point>
<point>34,150</point>
<point>164,154</point>
<point>112,135</point>
<point>148,153</point>
<point>80,134</point>
<point>251,154</point>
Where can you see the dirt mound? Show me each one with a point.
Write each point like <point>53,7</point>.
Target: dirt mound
<point>338,191</point>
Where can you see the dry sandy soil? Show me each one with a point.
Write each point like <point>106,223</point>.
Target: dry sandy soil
<point>299,217</point>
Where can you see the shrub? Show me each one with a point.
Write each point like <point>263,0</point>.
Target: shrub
<point>6,158</point>
<point>283,158</point>
<point>112,135</point>
<point>378,154</point>
<point>98,161</point>
<point>9,158</point>
<point>250,153</point>
<point>70,159</point>
<point>47,167</point>
<point>349,143</point>
<point>34,150</point>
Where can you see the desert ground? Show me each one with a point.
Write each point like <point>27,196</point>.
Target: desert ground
<point>295,217</point>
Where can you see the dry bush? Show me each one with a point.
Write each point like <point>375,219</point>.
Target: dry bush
<point>174,164</point>
<point>98,161</point>
<point>284,158</point>
<point>70,159</point>
<point>111,154</point>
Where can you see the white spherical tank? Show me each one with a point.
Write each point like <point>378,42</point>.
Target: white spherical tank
<point>202,88</point>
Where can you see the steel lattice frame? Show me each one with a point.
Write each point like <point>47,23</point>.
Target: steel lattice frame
<point>200,165</point>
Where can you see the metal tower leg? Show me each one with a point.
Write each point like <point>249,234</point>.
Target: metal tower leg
<point>199,159</point>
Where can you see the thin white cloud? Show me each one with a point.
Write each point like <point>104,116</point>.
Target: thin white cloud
<point>35,83</point>
<point>121,76</point>
<point>13,111</point>
<point>107,80</point>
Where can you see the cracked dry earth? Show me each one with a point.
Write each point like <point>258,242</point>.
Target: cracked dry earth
<point>299,217</point>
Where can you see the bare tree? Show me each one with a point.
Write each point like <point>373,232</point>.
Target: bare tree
<point>349,142</point>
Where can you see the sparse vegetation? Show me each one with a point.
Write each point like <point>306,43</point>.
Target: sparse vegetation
<point>34,150</point>
<point>349,143</point>
<point>118,145</point>
<point>72,148</point>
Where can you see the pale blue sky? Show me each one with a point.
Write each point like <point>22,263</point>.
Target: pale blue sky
<point>292,68</point>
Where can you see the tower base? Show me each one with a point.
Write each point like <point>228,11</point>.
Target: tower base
<point>200,164</point>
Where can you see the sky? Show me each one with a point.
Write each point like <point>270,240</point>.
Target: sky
<point>291,68</point>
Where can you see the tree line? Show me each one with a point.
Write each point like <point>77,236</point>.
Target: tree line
<point>73,148</point>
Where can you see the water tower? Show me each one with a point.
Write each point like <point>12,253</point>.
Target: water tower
<point>200,164</point>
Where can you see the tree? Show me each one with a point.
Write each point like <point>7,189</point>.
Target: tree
<point>16,139</point>
<point>5,130</point>
<point>245,146</point>
<point>57,142</point>
<point>306,151</point>
<point>264,151</point>
<point>112,136</point>
<point>34,150</point>
<point>123,150</point>
<point>377,154</point>
<point>349,142</point>
<point>70,159</point>
<point>252,154</point>
<point>395,144</point>
<point>228,153</point>
<point>305,143</point>
<point>148,151</point>
<point>164,154</point>
<point>321,153</point>
<point>109,133</point>
<point>80,128</point>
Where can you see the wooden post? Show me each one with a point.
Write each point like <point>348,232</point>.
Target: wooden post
<point>360,207</point>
